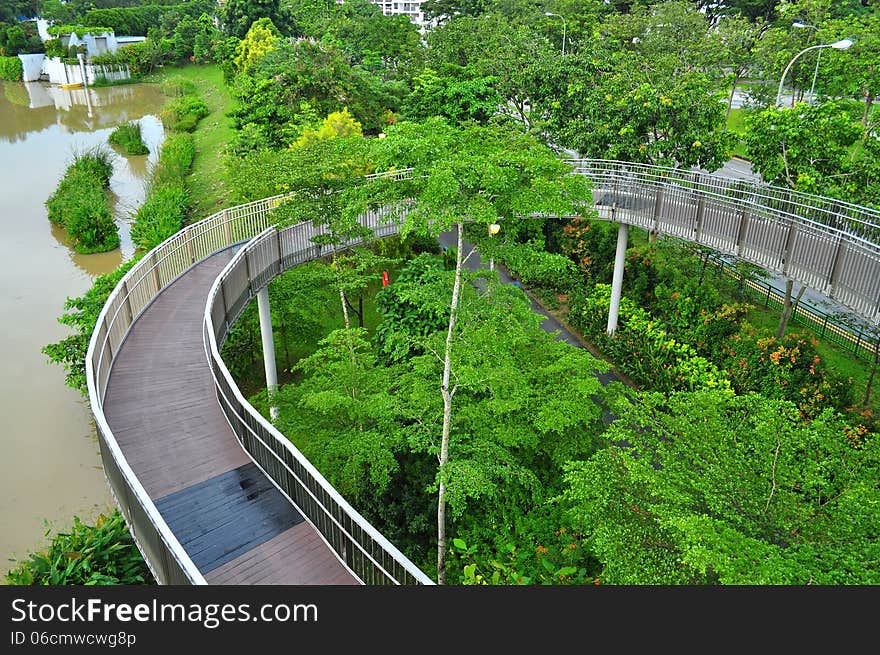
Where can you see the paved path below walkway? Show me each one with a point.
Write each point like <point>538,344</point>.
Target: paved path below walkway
<point>550,323</point>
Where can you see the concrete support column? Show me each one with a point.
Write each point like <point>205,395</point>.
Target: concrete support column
<point>617,280</point>
<point>268,348</point>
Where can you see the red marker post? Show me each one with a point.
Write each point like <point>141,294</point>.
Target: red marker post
<point>384,279</point>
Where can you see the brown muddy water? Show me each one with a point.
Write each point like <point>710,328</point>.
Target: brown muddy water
<point>50,466</point>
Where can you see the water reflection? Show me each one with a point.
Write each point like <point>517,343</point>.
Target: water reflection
<point>34,106</point>
<point>48,470</point>
<point>94,264</point>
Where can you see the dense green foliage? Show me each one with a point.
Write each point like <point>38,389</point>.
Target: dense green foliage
<point>99,554</point>
<point>19,38</point>
<point>366,415</point>
<point>138,20</point>
<point>166,206</point>
<point>128,137</point>
<point>80,205</point>
<point>183,114</point>
<point>10,69</point>
<point>715,488</point>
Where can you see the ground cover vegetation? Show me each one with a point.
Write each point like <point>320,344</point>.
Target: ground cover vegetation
<point>99,554</point>
<point>80,204</point>
<point>485,450</point>
<point>128,137</point>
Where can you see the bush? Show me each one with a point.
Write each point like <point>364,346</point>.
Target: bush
<point>10,69</point>
<point>642,348</point>
<point>162,215</point>
<point>538,268</point>
<point>184,113</point>
<point>79,204</point>
<point>102,554</point>
<point>175,160</point>
<point>176,87</point>
<point>128,137</point>
<point>788,369</point>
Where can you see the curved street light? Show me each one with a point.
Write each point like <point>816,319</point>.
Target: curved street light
<point>550,13</point>
<point>843,44</point>
<point>801,25</point>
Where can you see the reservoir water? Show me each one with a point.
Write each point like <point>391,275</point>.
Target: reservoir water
<point>50,466</point>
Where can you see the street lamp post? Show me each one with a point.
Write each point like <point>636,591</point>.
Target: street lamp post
<point>799,24</point>
<point>494,228</point>
<point>843,44</point>
<point>550,13</point>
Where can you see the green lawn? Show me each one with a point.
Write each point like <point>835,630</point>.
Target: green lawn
<point>736,124</point>
<point>207,183</point>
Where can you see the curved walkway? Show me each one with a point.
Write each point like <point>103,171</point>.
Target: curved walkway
<point>161,405</point>
<point>182,465</point>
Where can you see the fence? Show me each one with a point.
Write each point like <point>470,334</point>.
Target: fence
<point>863,342</point>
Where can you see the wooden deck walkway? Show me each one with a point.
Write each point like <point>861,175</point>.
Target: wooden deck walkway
<point>161,405</point>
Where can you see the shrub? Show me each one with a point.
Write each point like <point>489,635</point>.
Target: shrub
<point>642,348</point>
<point>175,160</point>
<point>102,554</point>
<point>178,86</point>
<point>79,203</point>
<point>161,215</point>
<point>183,114</point>
<point>538,268</point>
<point>788,369</point>
<point>10,69</point>
<point>128,137</point>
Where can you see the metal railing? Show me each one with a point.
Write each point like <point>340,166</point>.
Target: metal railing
<point>830,246</point>
<point>362,548</point>
<point>158,268</point>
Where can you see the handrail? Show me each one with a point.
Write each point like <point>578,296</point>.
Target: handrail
<point>819,246</point>
<point>842,236</point>
<point>820,209</point>
<point>362,548</point>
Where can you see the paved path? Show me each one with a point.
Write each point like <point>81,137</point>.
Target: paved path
<point>550,324</point>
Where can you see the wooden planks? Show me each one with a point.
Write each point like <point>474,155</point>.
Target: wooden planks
<point>162,407</point>
<point>298,556</point>
<point>224,517</point>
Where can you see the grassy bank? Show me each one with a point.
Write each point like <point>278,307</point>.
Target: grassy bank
<point>736,124</point>
<point>207,183</point>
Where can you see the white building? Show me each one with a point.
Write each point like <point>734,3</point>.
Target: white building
<point>411,8</point>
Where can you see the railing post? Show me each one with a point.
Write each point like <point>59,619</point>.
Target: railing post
<point>836,265</point>
<point>745,215</point>
<point>226,228</point>
<point>225,307</point>
<point>127,301</point>
<point>247,268</point>
<point>658,203</point>
<point>698,221</point>
<point>189,246</point>
<point>155,268</point>
<point>279,268</point>
<point>789,246</point>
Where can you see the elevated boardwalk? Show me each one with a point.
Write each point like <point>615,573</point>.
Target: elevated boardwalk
<point>161,405</point>
<point>214,494</point>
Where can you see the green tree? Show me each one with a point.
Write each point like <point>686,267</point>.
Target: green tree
<point>237,16</point>
<point>709,487</point>
<point>459,101</point>
<point>261,38</point>
<point>804,148</point>
<point>476,174</point>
